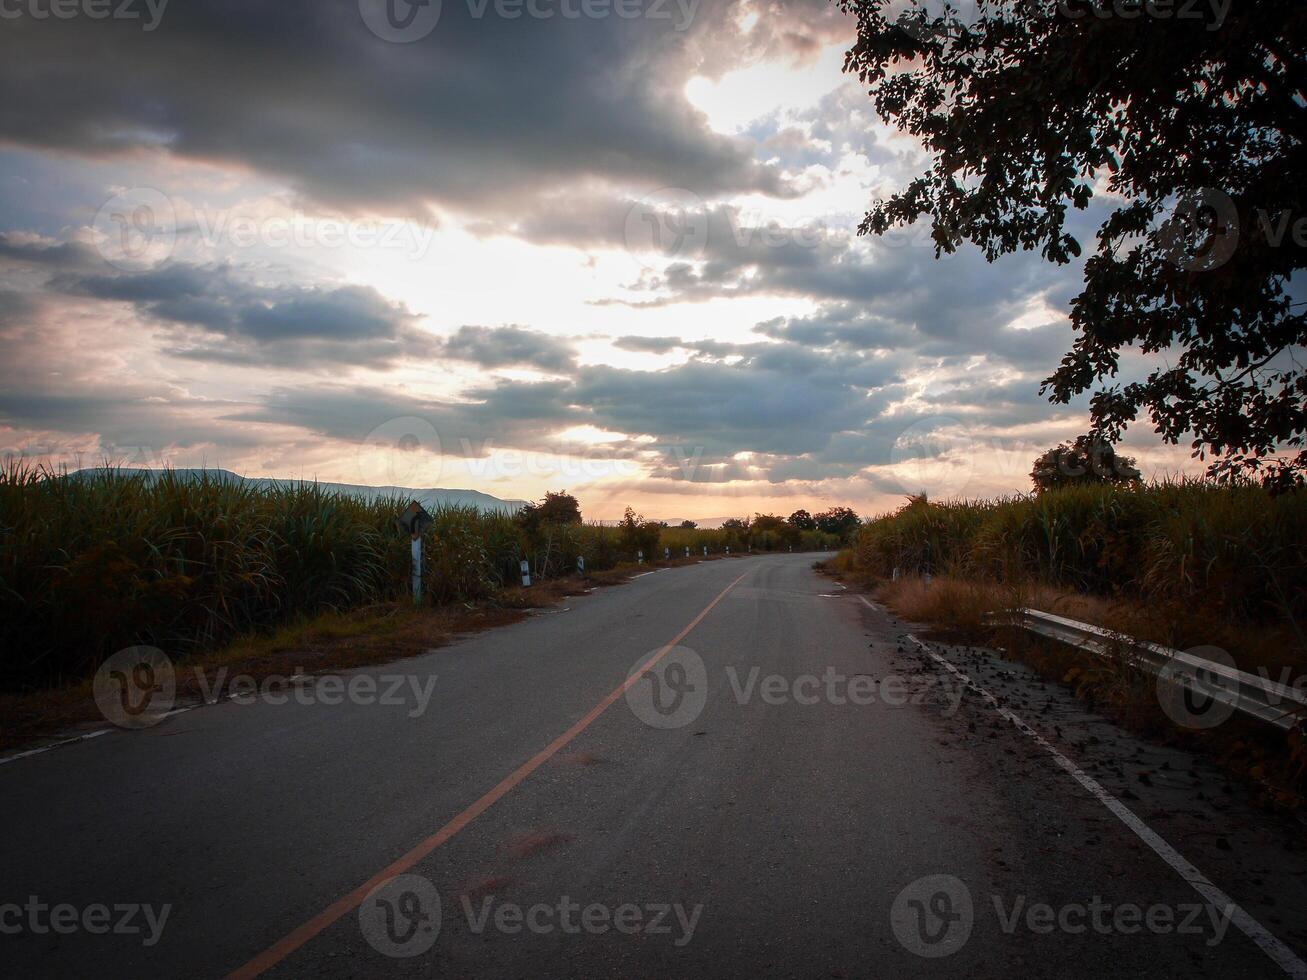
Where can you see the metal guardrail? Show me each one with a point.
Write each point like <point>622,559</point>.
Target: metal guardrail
<point>1257,697</point>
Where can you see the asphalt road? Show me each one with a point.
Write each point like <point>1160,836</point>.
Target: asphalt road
<point>796,791</point>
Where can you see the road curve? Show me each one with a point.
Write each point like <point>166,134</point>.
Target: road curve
<point>728,769</point>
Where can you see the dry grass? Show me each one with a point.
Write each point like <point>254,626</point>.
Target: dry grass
<point>379,633</point>
<point>958,610</point>
<point>965,609</point>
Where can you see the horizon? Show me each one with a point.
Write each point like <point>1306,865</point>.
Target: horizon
<point>707,521</point>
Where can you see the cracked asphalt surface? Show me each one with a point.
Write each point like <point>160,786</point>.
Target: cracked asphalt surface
<point>796,791</point>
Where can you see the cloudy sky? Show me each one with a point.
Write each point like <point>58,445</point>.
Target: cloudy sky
<point>600,245</point>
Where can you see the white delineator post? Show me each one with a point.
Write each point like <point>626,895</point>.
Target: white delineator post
<point>639,556</point>
<point>417,568</point>
<point>413,521</point>
<point>705,551</point>
<point>580,564</point>
<point>667,554</point>
<point>687,551</point>
<point>526,573</point>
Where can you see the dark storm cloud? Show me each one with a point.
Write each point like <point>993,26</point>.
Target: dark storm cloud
<point>482,112</point>
<point>648,345</point>
<point>16,307</point>
<point>945,335</point>
<point>519,415</point>
<point>222,315</point>
<point>51,255</point>
<point>493,347</point>
<point>772,402</point>
<point>121,416</point>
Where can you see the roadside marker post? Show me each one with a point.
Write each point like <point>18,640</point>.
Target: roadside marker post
<point>705,551</point>
<point>687,551</point>
<point>667,554</point>
<point>639,556</point>
<point>414,521</point>
<point>417,569</point>
<point>526,573</point>
<point>580,564</point>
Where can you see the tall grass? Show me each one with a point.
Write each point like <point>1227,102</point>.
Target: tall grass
<point>1236,550</point>
<point>95,562</point>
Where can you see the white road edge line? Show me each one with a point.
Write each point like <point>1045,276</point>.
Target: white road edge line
<point>641,575</point>
<point>1284,957</point>
<point>54,745</point>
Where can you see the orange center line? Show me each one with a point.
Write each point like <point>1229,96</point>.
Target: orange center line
<point>292,941</point>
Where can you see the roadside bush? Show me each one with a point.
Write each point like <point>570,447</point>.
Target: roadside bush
<point>1235,547</point>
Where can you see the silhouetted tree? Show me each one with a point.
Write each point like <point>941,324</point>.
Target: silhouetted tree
<point>1086,460</point>
<point>1193,137</point>
<point>557,508</point>
<point>802,520</point>
<point>841,521</point>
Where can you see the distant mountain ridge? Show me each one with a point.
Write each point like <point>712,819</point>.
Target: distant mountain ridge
<point>429,497</point>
